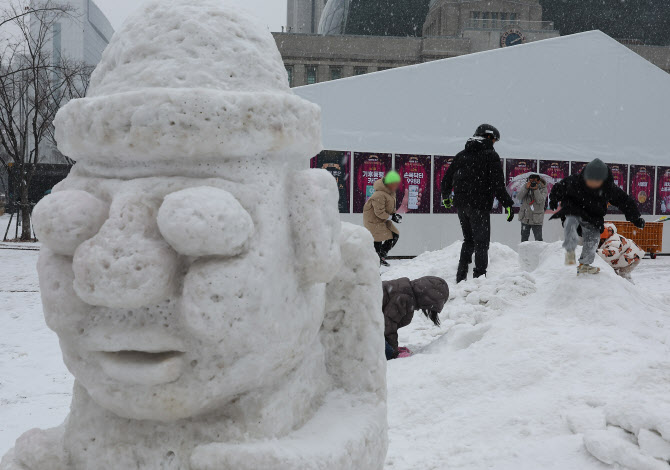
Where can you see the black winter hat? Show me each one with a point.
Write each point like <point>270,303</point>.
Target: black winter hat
<point>596,170</point>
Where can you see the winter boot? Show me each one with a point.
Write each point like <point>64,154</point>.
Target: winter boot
<point>462,273</point>
<point>570,258</point>
<point>383,262</point>
<point>587,269</point>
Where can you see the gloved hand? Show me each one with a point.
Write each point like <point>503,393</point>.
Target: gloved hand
<point>640,223</point>
<point>397,218</point>
<point>448,203</point>
<point>553,204</point>
<point>510,214</point>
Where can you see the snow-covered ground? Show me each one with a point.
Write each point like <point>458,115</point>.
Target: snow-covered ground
<point>523,366</point>
<point>35,386</point>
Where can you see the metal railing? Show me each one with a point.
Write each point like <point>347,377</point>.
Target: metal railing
<point>498,24</point>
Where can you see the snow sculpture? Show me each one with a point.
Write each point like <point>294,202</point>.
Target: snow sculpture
<point>213,310</point>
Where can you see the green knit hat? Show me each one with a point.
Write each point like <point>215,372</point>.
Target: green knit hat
<point>392,177</point>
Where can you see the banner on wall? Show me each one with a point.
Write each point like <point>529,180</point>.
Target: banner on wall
<point>442,164</point>
<point>517,172</point>
<point>413,195</point>
<point>663,194</point>
<point>553,171</point>
<point>620,174</point>
<point>337,164</point>
<point>642,182</point>
<point>577,167</point>
<point>368,168</point>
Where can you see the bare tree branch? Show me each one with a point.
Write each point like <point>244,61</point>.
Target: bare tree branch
<point>34,85</point>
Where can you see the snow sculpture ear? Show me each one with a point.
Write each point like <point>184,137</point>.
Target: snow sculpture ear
<point>315,221</point>
<point>353,307</point>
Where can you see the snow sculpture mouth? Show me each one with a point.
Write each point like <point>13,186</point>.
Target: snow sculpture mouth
<point>141,367</point>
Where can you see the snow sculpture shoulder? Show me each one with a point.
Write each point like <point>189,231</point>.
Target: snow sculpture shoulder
<point>213,310</point>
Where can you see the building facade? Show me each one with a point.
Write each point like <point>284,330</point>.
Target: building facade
<point>452,28</point>
<point>303,16</point>
<point>83,35</point>
<point>403,18</point>
<point>312,59</point>
<point>80,37</point>
<point>489,24</point>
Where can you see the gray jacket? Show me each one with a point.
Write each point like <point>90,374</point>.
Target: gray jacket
<point>532,204</point>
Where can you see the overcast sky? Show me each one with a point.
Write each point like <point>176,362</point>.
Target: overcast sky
<point>271,12</point>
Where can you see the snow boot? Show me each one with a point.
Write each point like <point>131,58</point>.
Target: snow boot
<point>462,273</point>
<point>587,269</point>
<point>383,262</point>
<point>570,258</point>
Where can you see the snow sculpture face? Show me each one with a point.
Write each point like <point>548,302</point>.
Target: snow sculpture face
<point>183,257</point>
<point>185,299</point>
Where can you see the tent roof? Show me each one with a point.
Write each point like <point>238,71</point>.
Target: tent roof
<point>570,98</point>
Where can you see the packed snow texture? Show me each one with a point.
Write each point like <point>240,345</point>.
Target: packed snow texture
<point>215,312</point>
<point>584,370</point>
<point>534,368</point>
<point>210,215</point>
<point>184,81</point>
<point>68,219</point>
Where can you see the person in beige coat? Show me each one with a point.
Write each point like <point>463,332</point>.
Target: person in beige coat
<point>379,213</point>
<point>533,197</point>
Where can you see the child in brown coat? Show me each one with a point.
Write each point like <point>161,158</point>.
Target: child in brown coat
<point>379,213</point>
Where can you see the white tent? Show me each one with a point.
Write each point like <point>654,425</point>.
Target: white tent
<point>571,98</point>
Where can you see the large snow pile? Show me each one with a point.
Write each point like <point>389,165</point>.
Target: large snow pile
<point>214,311</point>
<point>534,369</point>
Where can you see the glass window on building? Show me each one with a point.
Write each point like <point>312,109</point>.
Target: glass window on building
<point>475,15</point>
<point>311,74</point>
<point>381,69</point>
<point>360,70</point>
<point>485,17</point>
<point>335,73</point>
<point>289,73</point>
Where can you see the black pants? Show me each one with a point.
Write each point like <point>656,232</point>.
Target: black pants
<point>476,226</point>
<point>383,248</point>
<point>525,232</point>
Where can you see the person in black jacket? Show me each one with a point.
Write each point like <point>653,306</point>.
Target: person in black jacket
<point>476,177</point>
<point>584,199</point>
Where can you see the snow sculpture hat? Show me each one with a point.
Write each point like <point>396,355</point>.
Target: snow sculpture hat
<point>189,81</point>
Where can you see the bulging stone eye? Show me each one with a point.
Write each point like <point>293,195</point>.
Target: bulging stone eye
<point>64,220</point>
<point>205,221</point>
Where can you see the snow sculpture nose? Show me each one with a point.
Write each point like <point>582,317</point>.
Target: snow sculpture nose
<point>127,264</point>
